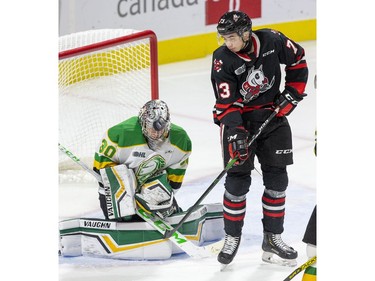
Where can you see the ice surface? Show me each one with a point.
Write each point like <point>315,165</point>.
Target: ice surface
<point>186,88</point>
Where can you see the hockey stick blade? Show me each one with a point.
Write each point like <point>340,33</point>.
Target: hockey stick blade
<point>179,239</point>
<point>301,268</point>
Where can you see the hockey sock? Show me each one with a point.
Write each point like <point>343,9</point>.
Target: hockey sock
<point>273,210</point>
<point>234,213</point>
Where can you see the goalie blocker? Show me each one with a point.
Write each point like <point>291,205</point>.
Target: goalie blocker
<point>122,194</point>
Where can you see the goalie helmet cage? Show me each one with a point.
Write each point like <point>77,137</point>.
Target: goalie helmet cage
<point>105,77</point>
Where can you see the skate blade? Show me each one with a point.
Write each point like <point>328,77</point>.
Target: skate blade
<point>275,259</point>
<point>223,267</point>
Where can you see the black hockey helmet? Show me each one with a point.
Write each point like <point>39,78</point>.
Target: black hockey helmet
<point>234,21</point>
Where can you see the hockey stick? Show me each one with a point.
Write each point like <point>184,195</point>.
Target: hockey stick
<point>301,268</point>
<point>230,164</point>
<point>158,223</point>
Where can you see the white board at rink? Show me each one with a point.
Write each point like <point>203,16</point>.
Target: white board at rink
<point>170,18</point>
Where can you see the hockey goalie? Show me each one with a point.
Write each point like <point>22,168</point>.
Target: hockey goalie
<point>141,162</point>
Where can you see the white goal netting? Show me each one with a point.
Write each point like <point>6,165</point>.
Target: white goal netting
<point>105,76</point>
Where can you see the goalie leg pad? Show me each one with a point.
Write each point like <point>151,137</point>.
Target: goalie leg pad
<point>119,187</point>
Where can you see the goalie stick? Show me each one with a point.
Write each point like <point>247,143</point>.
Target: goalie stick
<point>301,268</point>
<point>158,223</point>
<point>230,164</point>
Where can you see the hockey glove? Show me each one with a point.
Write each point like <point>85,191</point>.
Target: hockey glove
<point>292,100</point>
<point>237,138</point>
<point>156,196</point>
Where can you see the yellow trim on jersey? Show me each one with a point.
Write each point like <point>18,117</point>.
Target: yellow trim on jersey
<point>102,165</point>
<point>176,178</point>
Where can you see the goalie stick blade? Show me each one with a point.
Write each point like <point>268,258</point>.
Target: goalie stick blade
<point>215,247</point>
<point>301,268</point>
<point>177,238</point>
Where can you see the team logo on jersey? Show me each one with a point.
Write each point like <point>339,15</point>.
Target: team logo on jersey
<point>240,70</point>
<point>139,154</point>
<point>148,168</point>
<point>217,65</point>
<point>255,84</point>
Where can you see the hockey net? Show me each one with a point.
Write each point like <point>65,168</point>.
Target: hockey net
<point>105,76</point>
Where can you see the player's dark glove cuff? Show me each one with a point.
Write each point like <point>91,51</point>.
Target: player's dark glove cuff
<point>292,99</point>
<point>238,147</point>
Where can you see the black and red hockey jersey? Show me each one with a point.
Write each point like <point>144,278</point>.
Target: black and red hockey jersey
<point>248,83</point>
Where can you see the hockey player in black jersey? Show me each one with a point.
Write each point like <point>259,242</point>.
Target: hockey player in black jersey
<point>246,77</point>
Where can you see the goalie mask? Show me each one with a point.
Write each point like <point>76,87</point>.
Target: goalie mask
<point>154,119</point>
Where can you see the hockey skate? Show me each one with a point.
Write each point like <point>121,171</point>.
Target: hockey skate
<point>229,250</point>
<point>273,244</point>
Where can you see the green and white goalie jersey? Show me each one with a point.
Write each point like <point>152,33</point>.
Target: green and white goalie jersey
<point>125,143</point>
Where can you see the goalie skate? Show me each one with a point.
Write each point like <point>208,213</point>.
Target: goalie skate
<point>277,252</point>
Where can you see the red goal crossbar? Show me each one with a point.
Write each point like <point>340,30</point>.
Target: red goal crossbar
<point>146,34</point>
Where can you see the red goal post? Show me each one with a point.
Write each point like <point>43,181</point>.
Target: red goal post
<point>105,76</point>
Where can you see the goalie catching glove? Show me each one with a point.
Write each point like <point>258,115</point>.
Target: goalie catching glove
<point>156,196</point>
<point>121,194</point>
<point>237,138</point>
